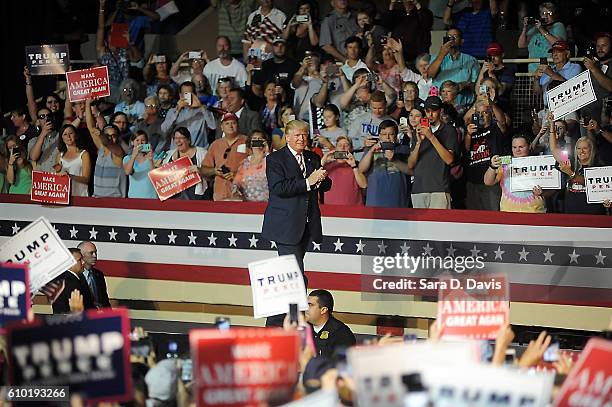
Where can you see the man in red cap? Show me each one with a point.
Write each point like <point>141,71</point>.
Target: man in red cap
<point>494,67</point>
<point>224,157</point>
<point>560,70</point>
<point>601,72</point>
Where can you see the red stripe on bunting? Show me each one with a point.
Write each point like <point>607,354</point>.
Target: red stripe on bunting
<point>342,211</point>
<point>597,297</point>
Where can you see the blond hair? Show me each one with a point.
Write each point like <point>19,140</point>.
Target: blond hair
<point>294,125</point>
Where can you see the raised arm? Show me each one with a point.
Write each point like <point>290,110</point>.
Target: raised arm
<point>32,108</point>
<point>312,34</point>
<point>91,126</point>
<point>347,97</point>
<point>434,67</point>
<point>523,40</point>
<point>100,48</point>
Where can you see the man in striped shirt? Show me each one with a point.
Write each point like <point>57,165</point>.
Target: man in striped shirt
<point>266,23</point>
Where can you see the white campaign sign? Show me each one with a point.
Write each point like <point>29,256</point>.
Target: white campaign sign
<point>449,372</point>
<point>378,370</point>
<point>481,385</point>
<point>38,246</point>
<point>276,283</point>
<point>571,95</point>
<point>527,172</point>
<point>598,182</point>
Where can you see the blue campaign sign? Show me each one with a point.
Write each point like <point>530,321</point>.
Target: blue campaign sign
<point>88,352</point>
<point>14,293</point>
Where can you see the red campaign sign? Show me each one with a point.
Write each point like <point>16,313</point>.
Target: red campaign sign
<point>119,35</point>
<point>88,83</point>
<point>50,188</point>
<point>473,307</point>
<point>174,177</point>
<point>589,381</point>
<point>244,367</point>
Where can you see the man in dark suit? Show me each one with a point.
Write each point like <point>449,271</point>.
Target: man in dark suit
<point>248,120</point>
<point>74,281</point>
<point>295,177</point>
<point>93,276</point>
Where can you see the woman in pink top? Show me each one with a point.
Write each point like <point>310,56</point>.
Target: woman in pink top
<point>250,182</point>
<point>342,169</point>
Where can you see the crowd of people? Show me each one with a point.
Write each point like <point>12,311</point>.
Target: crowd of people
<point>164,376</point>
<point>394,126</point>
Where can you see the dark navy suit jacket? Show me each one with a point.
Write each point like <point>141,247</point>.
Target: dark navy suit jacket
<point>290,204</point>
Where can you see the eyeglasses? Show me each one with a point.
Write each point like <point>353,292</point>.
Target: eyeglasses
<point>229,150</point>
<point>546,13</point>
<point>128,90</point>
<point>150,105</point>
<point>44,116</point>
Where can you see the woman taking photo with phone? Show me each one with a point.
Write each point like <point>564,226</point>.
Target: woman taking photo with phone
<point>73,161</point>
<point>250,183</point>
<point>342,169</point>
<point>137,166</point>
<point>302,31</point>
<point>18,169</point>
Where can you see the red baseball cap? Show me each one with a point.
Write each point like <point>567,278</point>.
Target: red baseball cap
<point>560,46</point>
<point>229,116</point>
<point>495,48</point>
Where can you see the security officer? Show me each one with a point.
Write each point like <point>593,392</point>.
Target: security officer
<point>329,333</point>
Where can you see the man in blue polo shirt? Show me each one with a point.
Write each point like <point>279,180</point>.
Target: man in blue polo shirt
<point>560,70</point>
<point>452,65</point>
<point>476,22</point>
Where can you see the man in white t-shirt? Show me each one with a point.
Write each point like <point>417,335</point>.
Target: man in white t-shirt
<point>224,66</point>
<point>352,63</point>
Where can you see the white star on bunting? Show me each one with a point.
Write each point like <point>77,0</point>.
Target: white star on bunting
<point>475,251</point>
<point>212,239</point>
<point>112,235</point>
<point>316,246</point>
<point>172,237</point>
<point>16,229</point>
<point>232,240</point>
<point>498,253</point>
<point>360,246</point>
<point>405,248</point>
<point>192,238</point>
<point>600,258</point>
<point>382,247</point>
<point>73,232</point>
<point>253,242</point>
<point>548,255</point>
<point>133,235</point>
<point>451,250</point>
<point>427,249</point>
<point>338,245</point>
<point>93,233</point>
<point>273,245</point>
<point>574,257</point>
<point>523,254</point>
<point>152,237</point>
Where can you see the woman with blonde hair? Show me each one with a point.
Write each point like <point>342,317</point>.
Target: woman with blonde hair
<point>575,190</point>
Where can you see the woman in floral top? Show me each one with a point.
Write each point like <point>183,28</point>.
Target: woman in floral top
<point>250,182</point>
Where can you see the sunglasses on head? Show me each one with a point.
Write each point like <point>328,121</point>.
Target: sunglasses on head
<point>229,149</point>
